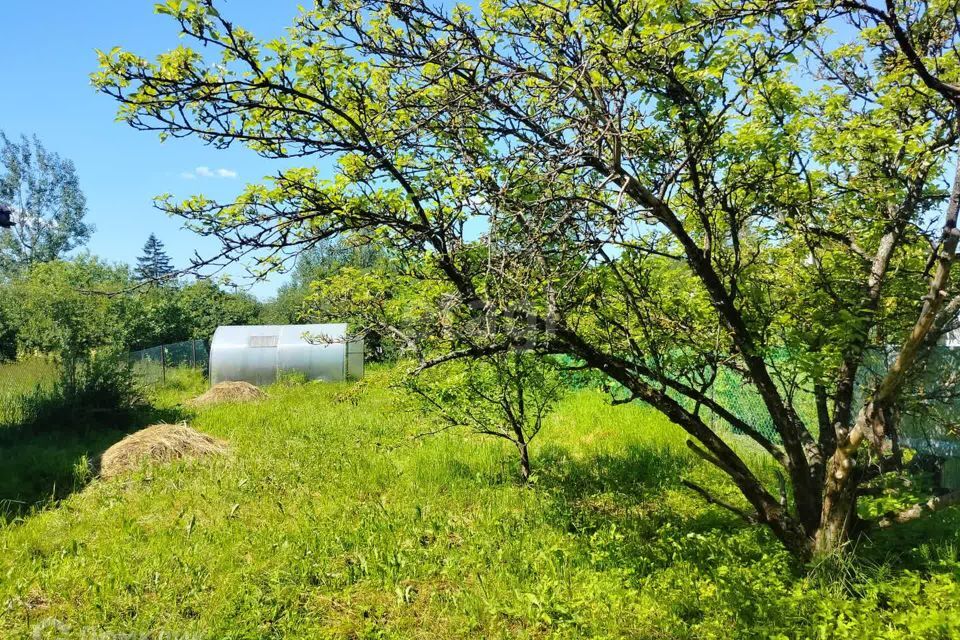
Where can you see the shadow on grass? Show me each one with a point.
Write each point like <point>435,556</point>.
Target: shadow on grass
<point>638,494</point>
<point>635,473</point>
<point>628,490</point>
<point>922,545</point>
<point>46,459</point>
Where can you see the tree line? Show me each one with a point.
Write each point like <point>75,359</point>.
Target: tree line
<point>73,305</point>
<point>56,301</point>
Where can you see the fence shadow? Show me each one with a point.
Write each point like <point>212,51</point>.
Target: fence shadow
<point>43,463</point>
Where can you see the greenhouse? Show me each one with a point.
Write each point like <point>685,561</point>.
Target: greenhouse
<point>260,354</point>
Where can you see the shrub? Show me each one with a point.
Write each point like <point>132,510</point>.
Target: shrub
<point>8,335</point>
<point>103,381</point>
<point>92,389</point>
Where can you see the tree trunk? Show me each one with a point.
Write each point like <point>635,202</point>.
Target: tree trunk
<point>524,460</point>
<point>838,517</point>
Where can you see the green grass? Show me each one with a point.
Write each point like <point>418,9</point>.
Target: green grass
<point>18,379</point>
<point>330,520</point>
<point>39,467</point>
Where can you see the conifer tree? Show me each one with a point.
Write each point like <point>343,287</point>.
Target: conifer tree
<point>154,264</point>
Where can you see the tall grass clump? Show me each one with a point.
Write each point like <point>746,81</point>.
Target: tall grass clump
<point>51,429</point>
<point>21,378</point>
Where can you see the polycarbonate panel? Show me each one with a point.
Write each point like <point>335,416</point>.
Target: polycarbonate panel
<point>355,359</point>
<point>318,351</point>
<point>263,341</point>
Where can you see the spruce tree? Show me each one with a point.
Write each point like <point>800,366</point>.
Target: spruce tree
<point>154,264</point>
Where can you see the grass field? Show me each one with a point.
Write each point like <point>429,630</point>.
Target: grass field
<point>44,442</point>
<point>329,519</point>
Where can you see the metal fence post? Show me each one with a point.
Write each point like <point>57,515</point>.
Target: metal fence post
<point>163,363</point>
<point>193,354</point>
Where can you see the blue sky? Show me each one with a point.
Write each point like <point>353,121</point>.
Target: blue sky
<point>47,51</point>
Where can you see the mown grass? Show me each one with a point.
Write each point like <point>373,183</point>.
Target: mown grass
<point>329,519</point>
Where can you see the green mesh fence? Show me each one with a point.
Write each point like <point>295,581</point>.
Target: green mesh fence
<point>151,365</point>
<point>929,413</point>
<point>929,417</point>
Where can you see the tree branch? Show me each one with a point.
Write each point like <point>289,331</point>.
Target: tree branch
<point>749,518</point>
<point>920,510</point>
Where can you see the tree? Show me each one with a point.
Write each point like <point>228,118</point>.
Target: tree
<point>55,312</point>
<point>667,194</point>
<point>153,316</point>
<point>206,306</point>
<point>154,265</point>
<point>8,330</point>
<point>312,266</point>
<point>44,193</point>
<point>506,395</point>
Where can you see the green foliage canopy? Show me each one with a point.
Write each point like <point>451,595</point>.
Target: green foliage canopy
<point>44,192</point>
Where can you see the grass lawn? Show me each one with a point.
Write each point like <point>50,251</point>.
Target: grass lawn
<point>329,520</point>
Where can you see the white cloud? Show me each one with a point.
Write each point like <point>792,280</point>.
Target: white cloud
<point>207,172</point>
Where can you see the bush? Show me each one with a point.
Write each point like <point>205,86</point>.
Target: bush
<point>103,381</point>
<point>89,390</point>
<point>8,336</point>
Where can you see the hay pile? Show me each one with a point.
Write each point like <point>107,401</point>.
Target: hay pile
<point>228,392</point>
<point>158,443</point>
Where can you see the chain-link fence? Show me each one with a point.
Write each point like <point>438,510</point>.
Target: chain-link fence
<point>928,413</point>
<point>151,365</point>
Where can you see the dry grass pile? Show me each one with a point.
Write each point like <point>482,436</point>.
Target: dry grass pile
<point>158,443</point>
<point>228,392</point>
